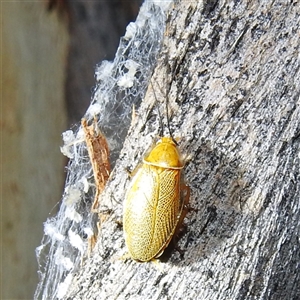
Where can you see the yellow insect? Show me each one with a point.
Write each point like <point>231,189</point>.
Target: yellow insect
<point>153,206</point>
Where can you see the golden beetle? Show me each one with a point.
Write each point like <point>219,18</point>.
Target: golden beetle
<point>153,206</point>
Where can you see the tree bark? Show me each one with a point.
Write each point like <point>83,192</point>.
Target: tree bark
<point>230,73</point>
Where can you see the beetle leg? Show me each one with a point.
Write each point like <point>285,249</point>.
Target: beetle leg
<point>132,173</point>
<point>124,257</point>
<point>185,194</point>
<point>186,197</point>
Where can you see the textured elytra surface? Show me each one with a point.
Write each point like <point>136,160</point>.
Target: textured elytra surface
<point>233,69</point>
<point>152,209</point>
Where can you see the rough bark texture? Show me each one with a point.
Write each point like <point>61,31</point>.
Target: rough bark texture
<point>230,70</point>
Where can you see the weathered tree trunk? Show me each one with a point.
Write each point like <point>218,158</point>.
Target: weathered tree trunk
<point>230,71</point>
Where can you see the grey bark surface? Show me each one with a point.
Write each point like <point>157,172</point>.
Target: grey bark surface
<point>230,71</point>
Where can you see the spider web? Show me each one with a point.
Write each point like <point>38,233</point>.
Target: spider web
<point>120,85</point>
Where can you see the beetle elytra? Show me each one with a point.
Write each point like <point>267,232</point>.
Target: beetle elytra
<point>153,205</point>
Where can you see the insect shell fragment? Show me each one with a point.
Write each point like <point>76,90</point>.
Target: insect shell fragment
<point>153,206</point>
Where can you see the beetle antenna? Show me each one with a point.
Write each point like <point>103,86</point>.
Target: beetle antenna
<point>161,124</point>
<point>168,119</point>
<point>167,115</point>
